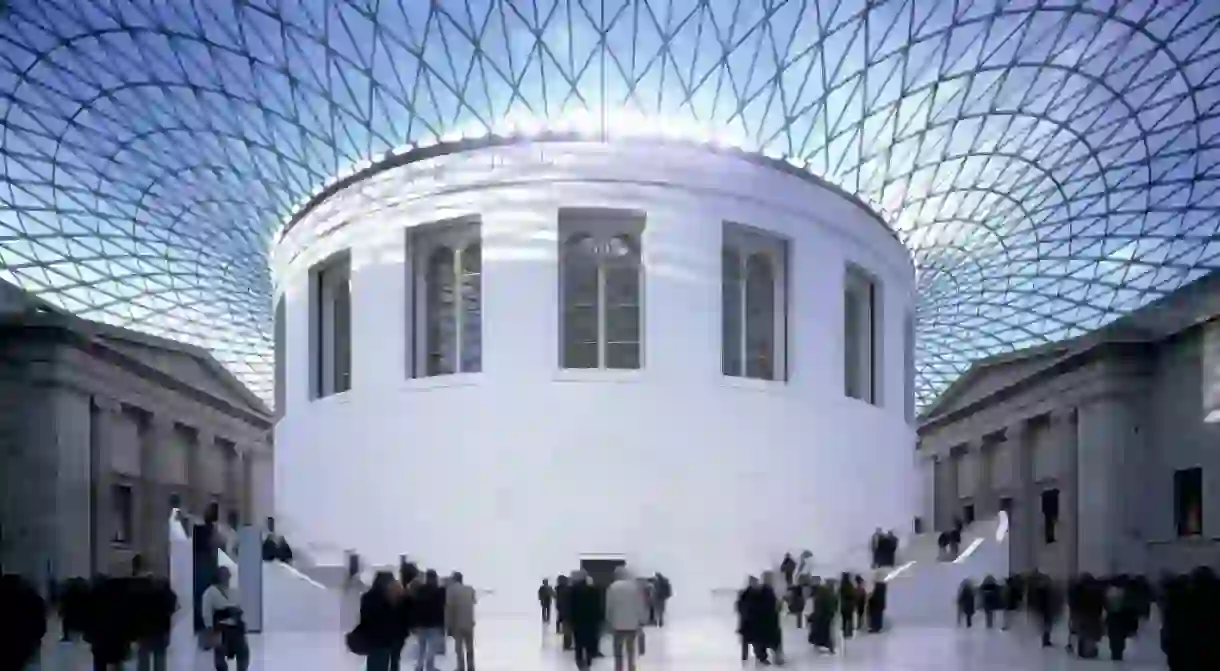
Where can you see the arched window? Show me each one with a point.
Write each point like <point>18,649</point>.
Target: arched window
<point>448,313</point>
<point>601,282</point>
<point>754,304</point>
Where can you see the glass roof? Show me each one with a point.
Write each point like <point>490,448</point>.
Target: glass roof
<point>1051,164</point>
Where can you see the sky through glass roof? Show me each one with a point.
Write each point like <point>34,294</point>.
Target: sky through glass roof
<point>1051,164</point>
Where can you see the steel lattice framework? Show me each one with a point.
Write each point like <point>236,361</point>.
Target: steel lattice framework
<point>1051,164</point>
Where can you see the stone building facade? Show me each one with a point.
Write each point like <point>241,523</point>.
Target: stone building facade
<point>104,430</point>
<point>1097,447</point>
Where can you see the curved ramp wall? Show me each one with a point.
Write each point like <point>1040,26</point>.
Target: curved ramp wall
<point>512,473</point>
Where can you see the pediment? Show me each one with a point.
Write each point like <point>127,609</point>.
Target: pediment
<point>185,364</point>
<point>987,376</point>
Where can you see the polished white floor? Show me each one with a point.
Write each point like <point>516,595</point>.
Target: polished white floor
<point>706,644</point>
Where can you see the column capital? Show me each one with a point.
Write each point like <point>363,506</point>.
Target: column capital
<point>1063,415</point>
<point>107,404</point>
<point>1018,430</point>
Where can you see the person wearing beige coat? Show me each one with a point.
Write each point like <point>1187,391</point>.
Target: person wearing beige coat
<point>460,600</point>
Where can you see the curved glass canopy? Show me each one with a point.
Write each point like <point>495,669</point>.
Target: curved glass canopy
<point>1051,164</point>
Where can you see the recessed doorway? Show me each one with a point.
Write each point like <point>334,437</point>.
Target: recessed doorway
<point>601,568</point>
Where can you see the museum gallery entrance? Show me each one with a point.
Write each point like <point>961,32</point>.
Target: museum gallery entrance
<point>601,568</point>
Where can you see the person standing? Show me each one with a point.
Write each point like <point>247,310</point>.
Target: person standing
<point>460,600</point>
<point>966,603</point>
<point>664,592</point>
<point>428,604</point>
<point>155,605</point>
<point>847,605</point>
<point>546,594</point>
<point>562,589</point>
<point>223,625</point>
<point>992,600</point>
<point>788,569</point>
<point>581,608</point>
<point>625,611</point>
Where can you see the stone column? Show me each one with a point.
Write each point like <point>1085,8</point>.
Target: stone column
<point>197,485</point>
<point>261,484</point>
<point>1064,436</point>
<point>232,458</point>
<point>986,503</point>
<point>1107,443</point>
<point>1023,523</point>
<point>105,413</point>
<point>155,435</point>
<point>954,507</point>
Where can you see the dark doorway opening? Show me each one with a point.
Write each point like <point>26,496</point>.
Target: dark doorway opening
<point>601,569</point>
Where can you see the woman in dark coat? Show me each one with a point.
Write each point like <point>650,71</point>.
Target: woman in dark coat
<point>847,604</point>
<point>379,630</point>
<point>876,607</point>
<point>821,622</point>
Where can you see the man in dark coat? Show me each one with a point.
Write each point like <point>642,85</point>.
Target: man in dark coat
<point>584,617</point>
<point>562,592</point>
<point>153,604</point>
<point>25,621</point>
<point>788,568</point>
<point>760,627</point>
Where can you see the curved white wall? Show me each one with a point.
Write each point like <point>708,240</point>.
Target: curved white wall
<point>511,474</point>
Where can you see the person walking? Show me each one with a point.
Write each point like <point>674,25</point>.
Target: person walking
<point>625,611</point>
<point>428,606</point>
<point>223,625</point>
<point>460,600</point>
<point>546,594</point>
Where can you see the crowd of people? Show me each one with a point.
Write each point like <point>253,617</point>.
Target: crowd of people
<point>414,603</point>
<point>1113,608</point>
<point>815,603</point>
<point>586,610</point>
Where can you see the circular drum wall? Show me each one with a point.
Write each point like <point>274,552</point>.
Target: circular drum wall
<point>512,471</point>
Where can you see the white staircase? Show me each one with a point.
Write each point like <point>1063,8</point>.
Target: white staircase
<point>923,588</point>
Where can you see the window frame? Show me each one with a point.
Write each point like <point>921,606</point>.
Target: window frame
<point>857,278</point>
<point>746,242</point>
<point>603,225</point>
<point>320,275</point>
<point>457,234</point>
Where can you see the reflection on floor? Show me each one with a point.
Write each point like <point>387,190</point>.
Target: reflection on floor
<point>505,644</point>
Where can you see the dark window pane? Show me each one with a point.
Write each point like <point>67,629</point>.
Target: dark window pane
<point>441,329</point>
<point>580,305</point>
<point>852,344</point>
<point>1188,501</point>
<point>123,510</point>
<point>472,309</point>
<point>623,356</point>
<point>730,313</point>
<point>343,333</point>
<point>760,317</point>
